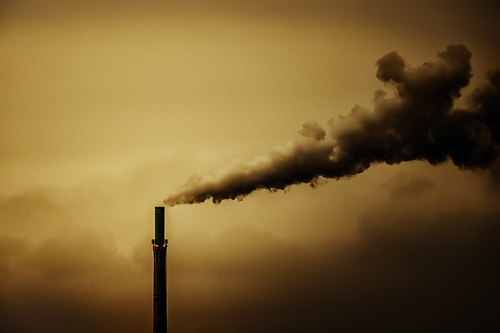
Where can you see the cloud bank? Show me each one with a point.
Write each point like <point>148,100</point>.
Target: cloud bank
<point>406,269</point>
<point>419,122</point>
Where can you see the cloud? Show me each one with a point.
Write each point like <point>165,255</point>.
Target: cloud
<point>71,282</point>
<point>407,267</point>
<point>61,269</point>
<point>406,271</point>
<point>418,123</point>
<point>312,129</point>
<point>408,185</point>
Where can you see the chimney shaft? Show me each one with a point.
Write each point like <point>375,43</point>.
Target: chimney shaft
<point>160,273</point>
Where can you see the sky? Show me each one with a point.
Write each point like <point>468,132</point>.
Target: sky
<point>356,143</point>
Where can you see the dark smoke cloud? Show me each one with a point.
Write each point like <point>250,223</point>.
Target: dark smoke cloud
<point>418,123</point>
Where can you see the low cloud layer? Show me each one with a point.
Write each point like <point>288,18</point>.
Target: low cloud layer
<point>419,122</point>
<point>422,257</point>
<point>405,272</point>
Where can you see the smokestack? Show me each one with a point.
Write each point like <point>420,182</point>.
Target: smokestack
<point>160,273</point>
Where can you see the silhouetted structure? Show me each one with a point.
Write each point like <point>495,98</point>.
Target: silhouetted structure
<point>160,273</point>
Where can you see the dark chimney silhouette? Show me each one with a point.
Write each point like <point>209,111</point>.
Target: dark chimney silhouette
<point>160,273</point>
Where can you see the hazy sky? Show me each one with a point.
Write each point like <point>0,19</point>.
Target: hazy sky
<point>109,107</point>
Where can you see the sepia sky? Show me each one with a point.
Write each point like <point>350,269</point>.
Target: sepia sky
<point>107,108</point>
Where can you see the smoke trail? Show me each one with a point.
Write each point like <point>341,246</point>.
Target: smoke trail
<point>418,123</point>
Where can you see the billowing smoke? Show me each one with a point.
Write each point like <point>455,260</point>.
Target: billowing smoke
<point>419,122</point>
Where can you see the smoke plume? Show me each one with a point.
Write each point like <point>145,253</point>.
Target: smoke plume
<point>419,122</point>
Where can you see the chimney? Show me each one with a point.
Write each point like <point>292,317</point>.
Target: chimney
<point>160,273</point>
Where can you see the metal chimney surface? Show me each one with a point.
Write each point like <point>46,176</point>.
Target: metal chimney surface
<point>160,273</point>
